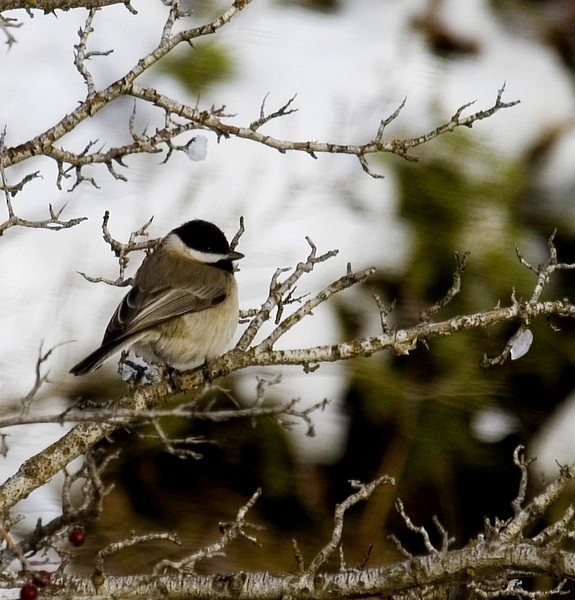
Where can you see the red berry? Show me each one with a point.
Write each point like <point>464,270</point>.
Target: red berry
<point>42,578</point>
<point>77,536</point>
<point>28,592</point>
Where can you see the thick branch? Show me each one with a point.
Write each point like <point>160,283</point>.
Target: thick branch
<point>479,560</point>
<point>43,467</point>
<point>52,5</point>
<point>400,342</point>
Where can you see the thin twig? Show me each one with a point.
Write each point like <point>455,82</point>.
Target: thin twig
<point>133,540</point>
<point>230,532</point>
<point>278,290</point>
<point>363,493</point>
<point>123,251</point>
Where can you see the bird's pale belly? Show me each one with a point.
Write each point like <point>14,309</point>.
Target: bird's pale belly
<point>187,341</point>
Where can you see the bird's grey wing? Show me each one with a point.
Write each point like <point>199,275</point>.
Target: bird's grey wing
<point>140,310</point>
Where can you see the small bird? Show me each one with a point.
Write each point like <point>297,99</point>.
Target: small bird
<point>183,307</point>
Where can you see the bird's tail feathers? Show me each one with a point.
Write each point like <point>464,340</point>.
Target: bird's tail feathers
<point>96,358</point>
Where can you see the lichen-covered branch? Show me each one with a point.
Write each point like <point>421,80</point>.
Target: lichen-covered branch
<point>44,144</point>
<point>180,117</point>
<point>248,353</point>
<point>493,565</point>
<point>52,5</point>
<point>480,560</point>
<point>376,145</point>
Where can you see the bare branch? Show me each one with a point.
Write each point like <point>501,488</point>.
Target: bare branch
<point>400,342</point>
<point>416,529</point>
<point>399,147</point>
<point>146,398</point>
<point>14,188</point>
<point>393,580</point>
<point>44,143</point>
<point>93,492</point>
<point>54,223</point>
<point>196,119</point>
<point>512,589</point>
<point>7,23</point>
<point>85,434</point>
<point>384,312</point>
<point>488,567</point>
<point>363,493</point>
<point>176,446</point>
<point>82,54</point>
<point>385,122</point>
<point>179,117</point>
<point>515,528</point>
<point>457,121</point>
<point>122,251</point>
<point>230,532</point>
<point>543,272</point>
<point>337,286</point>
<point>133,540</point>
<point>279,290</point>
<point>461,263</point>
<point>236,239</point>
<point>53,5</point>
<point>40,378</point>
<point>281,112</point>
<point>522,464</point>
<point>111,415</point>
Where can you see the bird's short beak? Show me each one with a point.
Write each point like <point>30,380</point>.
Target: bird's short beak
<point>233,255</point>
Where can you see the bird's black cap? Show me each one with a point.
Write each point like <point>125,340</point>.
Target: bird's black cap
<point>203,236</point>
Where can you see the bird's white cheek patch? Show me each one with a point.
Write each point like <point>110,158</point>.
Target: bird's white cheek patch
<point>205,257</point>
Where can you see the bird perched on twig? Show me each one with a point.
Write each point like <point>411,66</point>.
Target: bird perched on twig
<point>183,307</point>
